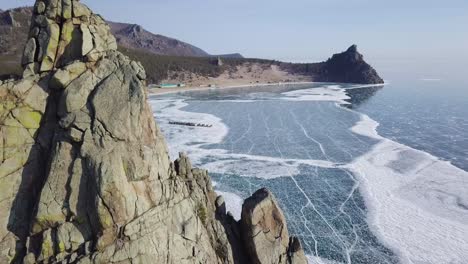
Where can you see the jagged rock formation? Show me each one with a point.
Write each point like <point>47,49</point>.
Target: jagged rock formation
<point>85,175</point>
<point>350,67</point>
<point>345,67</point>
<point>265,233</point>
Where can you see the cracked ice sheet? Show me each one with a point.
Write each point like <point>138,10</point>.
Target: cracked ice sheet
<point>316,260</point>
<point>281,129</point>
<point>332,228</point>
<point>420,211</point>
<point>430,211</point>
<point>193,141</point>
<point>323,207</point>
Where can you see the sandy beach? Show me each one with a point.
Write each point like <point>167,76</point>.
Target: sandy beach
<point>246,75</point>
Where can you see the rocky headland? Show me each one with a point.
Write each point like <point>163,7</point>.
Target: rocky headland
<point>85,175</point>
<point>168,60</point>
<point>349,67</point>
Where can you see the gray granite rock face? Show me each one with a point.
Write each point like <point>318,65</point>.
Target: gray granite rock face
<point>85,175</point>
<point>265,233</point>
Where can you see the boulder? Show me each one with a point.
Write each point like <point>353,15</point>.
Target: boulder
<point>87,40</point>
<point>40,7</point>
<point>80,10</point>
<point>67,9</point>
<point>63,77</point>
<point>29,52</point>
<point>50,50</point>
<point>265,232</point>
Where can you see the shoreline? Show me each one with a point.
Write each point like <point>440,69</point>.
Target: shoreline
<point>165,91</point>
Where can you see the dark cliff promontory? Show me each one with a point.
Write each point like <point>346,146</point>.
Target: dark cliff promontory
<point>85,175</point>
<point>345,67</point>
<point>350,67</point>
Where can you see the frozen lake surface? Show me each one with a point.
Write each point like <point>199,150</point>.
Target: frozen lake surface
<point>361,178</point>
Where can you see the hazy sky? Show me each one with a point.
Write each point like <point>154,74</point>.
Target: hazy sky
<point>416,31</point>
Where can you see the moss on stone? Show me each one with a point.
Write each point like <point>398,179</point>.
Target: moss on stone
<point>47,249</point>
<point>201,212</point>
<point>106,219</point>
<point>61,247</point>
<point>28,118</point>
<point>67,32</point>
<point>45,221</point>
<point>52,46</point>
<point>67,9</point>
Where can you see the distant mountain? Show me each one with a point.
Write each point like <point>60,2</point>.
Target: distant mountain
<point>14,28</point>
<point>136,37</point>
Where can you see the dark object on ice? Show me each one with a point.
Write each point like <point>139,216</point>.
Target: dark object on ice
<point>189,124</point>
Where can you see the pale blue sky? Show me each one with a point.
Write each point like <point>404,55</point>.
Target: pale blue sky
<point>419,32</point>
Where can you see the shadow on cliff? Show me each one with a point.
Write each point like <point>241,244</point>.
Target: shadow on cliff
<point>33,176</point>
<point>233,232</point>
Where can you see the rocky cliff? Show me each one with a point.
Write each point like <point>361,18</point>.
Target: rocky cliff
<point>350,67</point>
<point>346,67</point>
<point>85,175</point>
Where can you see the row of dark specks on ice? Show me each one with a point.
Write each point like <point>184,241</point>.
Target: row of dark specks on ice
<point>189,124</point>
